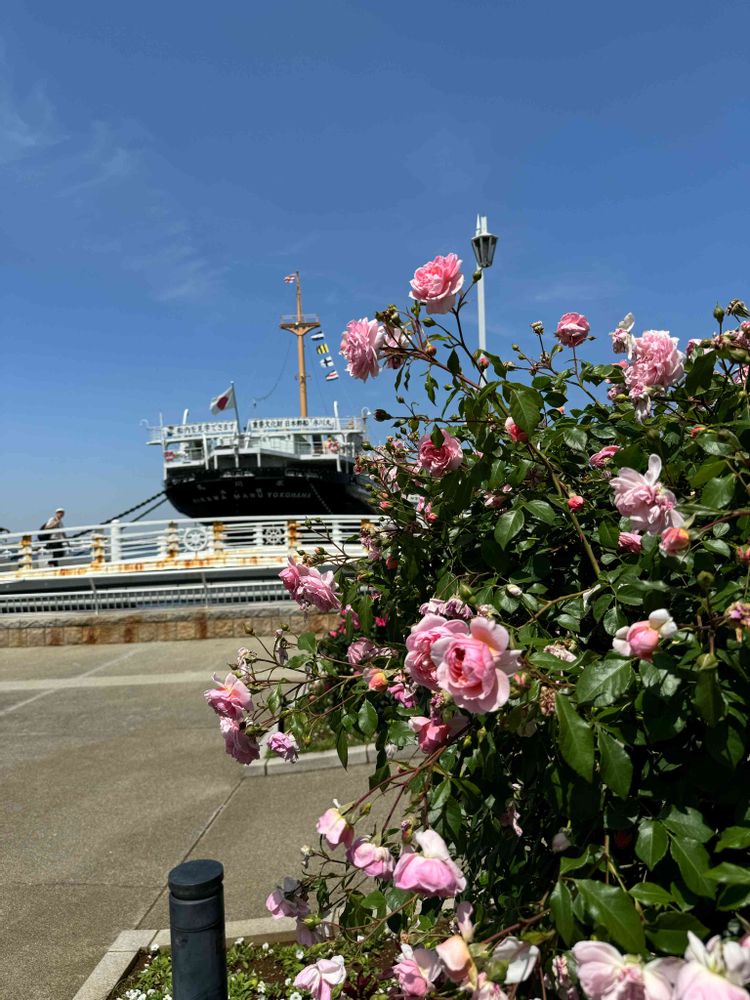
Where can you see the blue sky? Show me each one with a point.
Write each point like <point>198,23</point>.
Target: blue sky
<point>164,165</point>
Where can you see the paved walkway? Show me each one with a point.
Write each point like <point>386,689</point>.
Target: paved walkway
<point>112,771</point>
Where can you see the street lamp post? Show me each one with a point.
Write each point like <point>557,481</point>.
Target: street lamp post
<point>483,244</point>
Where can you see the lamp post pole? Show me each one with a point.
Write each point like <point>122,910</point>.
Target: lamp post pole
<point>483,244</point>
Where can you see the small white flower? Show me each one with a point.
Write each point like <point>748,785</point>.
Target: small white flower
<point>299,955</point>
<point>239,940</point>
<point>295,996</point>
<point>288,982</point>
<point>154,947</point>
<point>261,987</point>
<point>265,946</point>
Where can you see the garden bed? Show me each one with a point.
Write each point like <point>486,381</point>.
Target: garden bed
<point>266,971</point>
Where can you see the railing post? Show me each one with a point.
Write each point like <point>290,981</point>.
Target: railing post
<point>115,534</point>
<point>97,550</point>
<point>218,537</point>
<point>196,924</point>
<point>292,535</point>
<point>172,539</point>
<point>26,560</point>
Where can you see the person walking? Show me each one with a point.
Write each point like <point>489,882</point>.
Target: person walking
<point>53,537</point>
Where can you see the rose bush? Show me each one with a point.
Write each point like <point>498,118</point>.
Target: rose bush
<point>557,672</point>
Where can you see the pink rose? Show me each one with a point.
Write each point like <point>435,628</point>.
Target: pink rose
<point>360,651</point>
<point>375,861</point>
<point>629,541</point>
<point>561,652</point>
<point>458,964</point>
<point>572,329</point>
<point>674,540</point>
<point>321,977</point>
<point>454,607</point>
<point>439,460</point>
<point>576,503</point>
<point>656,363</point>
<point>642,498</point>
<point>473,668</point>
<point>605,974</point>
<point>335,828</point>
<point>308,585</point>
<point>431,873</point>
<point>425,509</point>
<point>230,699</point>
<point>716,970</point>
<point>284,745</point>
<point>433,733</point>
<point>237,743</point>
<point>419,645</point>
<point>286,900</point>
<point>437,282</point>
<point>601,457</point>
<point>360,345</point>
<point>642,638</point>
<point>514,432</point>
<point>416,971</point>
<point>403,691</point>
<point>520,956</point>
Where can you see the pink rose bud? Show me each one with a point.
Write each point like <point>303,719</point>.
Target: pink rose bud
<point>514,432</point>
<point>743,554</point>
<point>575,503</point>
<point>483,361</point>
<point>695,431</point>
<point>674,540</point>
<point>377,680</point>
<point>599,459</point>
<point>391,563</point>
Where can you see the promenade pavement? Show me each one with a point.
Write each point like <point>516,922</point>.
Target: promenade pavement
<point>112,771</point>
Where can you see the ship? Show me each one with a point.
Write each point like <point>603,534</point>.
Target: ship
<point>302,465</point>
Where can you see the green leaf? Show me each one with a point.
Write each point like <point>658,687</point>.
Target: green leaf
<point>718,492</point>
<point>367,719</point>
<point>308,642</point>
<point>575,438</point>
<point>576,739</point>
<point>726,872</point>
<point>541,510</point>
<point>375,901</point>
<point>734,838</point>
<point>705,472</point>
<point>526,407</point>
<point>687,822</point>
<point>693,861</point>
<point>717,547</point>
<point>609,535</point>
<point>652,842</point>
<point>701,371</point>
<point>613,909</point>
<point>668,932</point>
<point>708,697</point>
<point>453,364</point>
<point>342,746</point>
<point>561,904</point>
<point>507,527</point>
<point>615,764</point>
<point>614,620</point>
<point>651,894</point>
<point>604,681</point>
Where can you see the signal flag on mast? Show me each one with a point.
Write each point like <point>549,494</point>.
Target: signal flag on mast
<point>318,336</point>
<point>331,376</point>
<point>290,279</point>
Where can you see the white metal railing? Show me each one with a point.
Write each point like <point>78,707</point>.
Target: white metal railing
<point>176,544</point>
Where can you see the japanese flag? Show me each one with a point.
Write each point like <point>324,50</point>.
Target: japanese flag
<point>222,402</point>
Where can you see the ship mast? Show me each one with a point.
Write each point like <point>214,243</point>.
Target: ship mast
<point>300,325</point>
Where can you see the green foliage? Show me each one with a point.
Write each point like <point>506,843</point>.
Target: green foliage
<point>641,763</point>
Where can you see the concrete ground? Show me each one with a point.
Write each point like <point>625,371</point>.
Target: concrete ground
<point>112,771</point>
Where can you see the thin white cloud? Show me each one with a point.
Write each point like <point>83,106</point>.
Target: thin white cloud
<point>27,124</point>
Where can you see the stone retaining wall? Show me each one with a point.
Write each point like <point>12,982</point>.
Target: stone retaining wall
<point>76,628</point>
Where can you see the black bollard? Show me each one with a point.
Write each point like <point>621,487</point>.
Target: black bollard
<point>196,924</point>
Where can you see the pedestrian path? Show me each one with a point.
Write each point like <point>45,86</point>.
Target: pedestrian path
<point>112,771</point>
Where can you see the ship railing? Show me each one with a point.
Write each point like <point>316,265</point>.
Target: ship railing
<point>174,544</point>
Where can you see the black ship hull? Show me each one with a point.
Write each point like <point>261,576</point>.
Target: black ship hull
<point>265,493</point>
